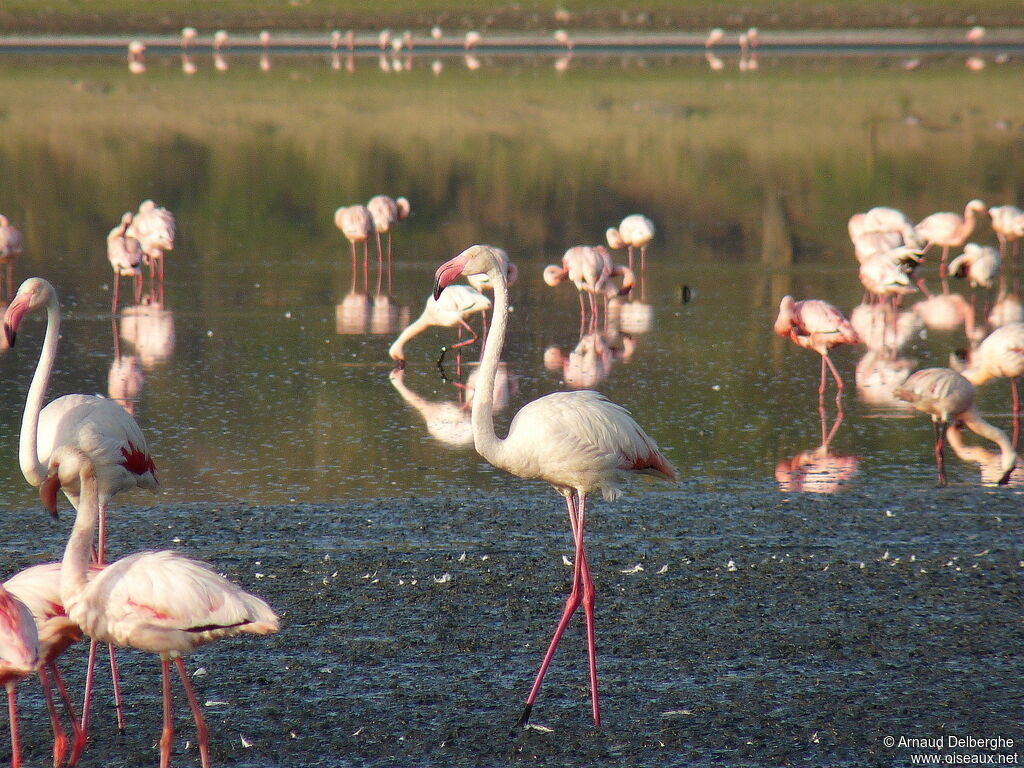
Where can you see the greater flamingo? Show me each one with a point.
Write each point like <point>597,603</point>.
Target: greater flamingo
<point>1008,224</point>
<point>980,264</point>
<point>450,310</point>
<point>386,213</point>
<point>11,246</point>
<point>949,230</point>
<point>1000,354</point>
<point>95,424</point>
<point>946,396</point>
<point>580,442</point>
<point>19,655</point>
<point>817,325</point>
<point>886,220</point>
<point>160,602</point>
<point>482,282</point>
<point>188,36</point>
<point>591,270</point>
<point>635,231</point>
<point>125,255</point>
<point>154,227</point>
<point>356,223</point>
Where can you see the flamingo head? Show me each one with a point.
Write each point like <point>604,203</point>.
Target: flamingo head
<point>554,274</point>
<point>404,209</point>
<point>784,322</point>
<point>475,260</point>
<point>33,294</point>
<point>614,238</point>
<point>68,467</point>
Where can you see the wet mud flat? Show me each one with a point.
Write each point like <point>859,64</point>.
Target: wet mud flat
<point>743,629</point>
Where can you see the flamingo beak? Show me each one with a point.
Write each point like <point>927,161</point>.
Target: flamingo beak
<point>48,492</point>
<point>12,318</point>
<point>447,274</point>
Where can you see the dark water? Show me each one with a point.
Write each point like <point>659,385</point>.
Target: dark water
<point>293,460</point>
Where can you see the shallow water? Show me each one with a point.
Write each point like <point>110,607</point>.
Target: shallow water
<point>293,459</point>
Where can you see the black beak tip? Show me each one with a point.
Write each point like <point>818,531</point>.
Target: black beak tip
<point>437,289</point>
<point>11,335</point>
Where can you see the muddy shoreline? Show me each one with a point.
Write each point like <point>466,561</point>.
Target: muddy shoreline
<point>759,629</point>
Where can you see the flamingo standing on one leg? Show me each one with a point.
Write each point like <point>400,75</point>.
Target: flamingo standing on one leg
<point>452,309</point>
<point>947,396</point>
<point>19,655</point>
<point>38,587</point>
<point>580,442</point>
<point>125,255</point>
<point>11,246</point>
<point>356,223</point>
<point>949,230</point>
<point>817,325</point>
<point>95,424</point>
<point>161,602</point>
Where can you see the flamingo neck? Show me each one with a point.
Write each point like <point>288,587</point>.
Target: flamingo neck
<point>979,426</point>
<point>485,440</point>
<point>78,552</point>
<point>417,326</point>
<point>28,453</point>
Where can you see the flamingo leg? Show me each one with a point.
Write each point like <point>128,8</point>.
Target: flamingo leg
<point>466,342</point>
<point>353,266</point>
<point>168,731</point>
<point>821,387</point>
<point>940,441</point>
<point>88,686</point>
<point>1016,410</point>
<point>202,733</point>
<point>78,740</point>
<point>366,266</point>
<point>117,285</point>
<point>389,262</point>
<point>629,248</point>
<point>60,739</point>
<point>12,714</point>
<point>380,263</point>
<point>118,706</point>
<point>588,609</point>
<point>137,280</point>
<point>571,604</point>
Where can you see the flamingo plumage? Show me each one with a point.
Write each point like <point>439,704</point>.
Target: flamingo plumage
<point>980,264</point>
<point>592,271</point>
<point>356,223</point>
<point>635,231</point>
<point>451,309</point>
<point>999,355</point>
<point>1008,224</point>
<point>155,228</point>
<point>949,230</point>
<point>125,255</point>
<point>579,442</point>
<point>818,325</point>
<point>19,656</point>
<point>12,245</point>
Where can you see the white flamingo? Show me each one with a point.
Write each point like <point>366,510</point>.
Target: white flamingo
<point>125,255</point>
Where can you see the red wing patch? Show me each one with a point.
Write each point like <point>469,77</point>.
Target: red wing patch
<point>137,462</point>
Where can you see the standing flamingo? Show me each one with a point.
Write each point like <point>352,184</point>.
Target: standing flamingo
<point>38,587</point>
<point>946,396</point>
<point>154,227</point>
<point>1008,224</point>
<point>949,230</point>
<point>482,282</point>
<point>580,442</point>
<point>356,223</point>
<point>1000,354</point>
<point>386,213</point>
<point>19,655</point>
<point>11,246</point>
<point>817,325</point>
<point>635,231</point>
<point>980,264</point>
<point>591,270</point>
<point>99,426</point>
<point>452,309</point>
<point>125,255</point>
<point>160,602</point>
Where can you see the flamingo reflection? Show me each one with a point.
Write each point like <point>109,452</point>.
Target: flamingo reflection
<point>989,462</point>
<point>877,376</point>
<point>125,378</point>
<point>352,315</point>
<point>881,327</point>
<point>149,328</point>
<point>818,470</point>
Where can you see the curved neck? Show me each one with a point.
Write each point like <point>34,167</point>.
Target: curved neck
<point>28,453</point>
<point>418,325</point>
<point>78,552</point>
<point>979,426</point>
<point>486,442</point>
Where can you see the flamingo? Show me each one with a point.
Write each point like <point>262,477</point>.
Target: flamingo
<point>978,263</point>
<point>136,57</point>
<point>886,220</point>
<point>889,273</point>
<point>1008,224</point>
<point>817,325</point>
<point>386,213</point>
<point>160,602</point>
<point>579,442</point>
<point>449,310</point>
<point>1000,354</point>
<point>188,36</point>
<point>125,256</point>
<point>482,283</point>
<point>635,231</point>
<point>946,396</point>
<point>95,424</point>
<point>154,227</point>
<point>714,36</point>
<point>19,655</point>
<point>356,223</point>
<point>11,246</point>
<point>949,230</point>
<point>38,587</point>
<point>591,270</point>
<point>220,40</point>
<point>472,39</point>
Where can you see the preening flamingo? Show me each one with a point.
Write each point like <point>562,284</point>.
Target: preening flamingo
<point>885,220</point>
<point>125,255</point>
<point>635,231</point>
<point>160,602</point>
<point>980,264</point>
<point>356,223</point>
<point>12,245</point>
<point>580,442</point>
<point>946,396</point>
<point>817,325</point>
<point>949,230</point>
<point>98,426</point>
<point>449,310</point>
<point>154,227</point>
<point>38,587</point>
<point>19,655</point>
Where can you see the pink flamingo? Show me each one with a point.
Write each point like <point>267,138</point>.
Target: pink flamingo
<point>19,655</point>
<point>125,256</point>
<point>1008,224</point>
<point>154,227</point>
<point>11,246</point>
<point>450,310</point>
<point>38,587</point>
<point>1000,355</point>
<point>97,425</point>
<point>580,442</point>
<point>591,270</point>
<point>356,223</point>
<point>980,264</point>
<point>160,602</point>
<point>949,230</point>
<point>386,213</point>
<point>948,397</point>
<point>482,282</point>
<point>817,325</point>
<point>635,231</point>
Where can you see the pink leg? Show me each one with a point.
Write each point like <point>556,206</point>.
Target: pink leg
<point>12,714</point>
<point>366,267</point>
<point>202,734</point>
<point>821,387</point>
<point>353,267</point>
<point>571,604</point>
<point>117,285</point>
<point>940,441</point>
<point>588,610</point>
<point>630,249</point>
<point>389,263</point>
<point>60,739</point>
<point>1016,411</point>
<point>138,286</point>
<point>88,686</point>
<point>78,741</point>
<point>380,263</point>
<point>168,732</point>
<point>117,687</point>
